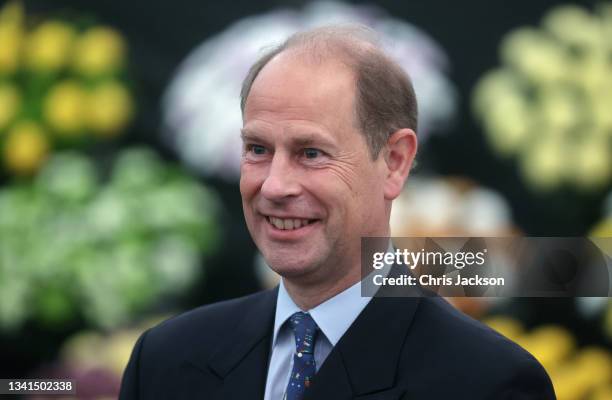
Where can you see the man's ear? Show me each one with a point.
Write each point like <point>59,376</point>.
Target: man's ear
<point>399,154</point>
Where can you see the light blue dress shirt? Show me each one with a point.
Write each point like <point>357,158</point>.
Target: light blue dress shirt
<point>333,317</point>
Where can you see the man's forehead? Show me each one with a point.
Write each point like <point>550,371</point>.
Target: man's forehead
<point>300,101</point>
<point>289,71</point>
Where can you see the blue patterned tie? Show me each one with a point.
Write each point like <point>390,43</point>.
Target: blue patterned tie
<point>304,368</point>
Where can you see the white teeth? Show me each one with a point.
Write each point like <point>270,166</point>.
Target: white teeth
<point>287,224</point>
<point>278,223</point>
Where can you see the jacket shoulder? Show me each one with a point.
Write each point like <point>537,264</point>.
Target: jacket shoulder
<point>474,353</point>
<point>159,360</point>
<point>454,331</point>
<point>203,325</point>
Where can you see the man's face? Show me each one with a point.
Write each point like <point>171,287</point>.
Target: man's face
<point>309,187</point>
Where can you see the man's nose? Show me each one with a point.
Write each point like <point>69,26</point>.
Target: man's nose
<point>281,181</point>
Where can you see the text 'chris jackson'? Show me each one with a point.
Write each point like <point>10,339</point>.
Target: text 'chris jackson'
<point>433,260</point>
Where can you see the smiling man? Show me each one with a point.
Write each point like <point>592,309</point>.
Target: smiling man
<point>328,142</point>
<point>310,184</point>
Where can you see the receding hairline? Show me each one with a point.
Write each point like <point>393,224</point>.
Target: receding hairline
<point>340,43</point>
<point>326,41</point>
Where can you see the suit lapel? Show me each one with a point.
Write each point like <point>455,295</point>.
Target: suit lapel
<point>363,362</point>
<point>241,359</point>
<point>247,380</point>
<point>365,359</point>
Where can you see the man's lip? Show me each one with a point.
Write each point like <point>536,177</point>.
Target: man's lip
<point>288,217</point>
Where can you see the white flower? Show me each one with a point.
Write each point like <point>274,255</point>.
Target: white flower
<point>201,108</point>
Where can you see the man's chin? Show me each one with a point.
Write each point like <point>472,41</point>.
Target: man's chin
<point>293,269</point>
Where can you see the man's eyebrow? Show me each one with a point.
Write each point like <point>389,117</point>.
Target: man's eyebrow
<point>298,139</point>
<point>308,140</point>
<point>246,134</point>
<point>311,138</point>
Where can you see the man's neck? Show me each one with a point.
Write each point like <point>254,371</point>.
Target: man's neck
<point>308,297</point>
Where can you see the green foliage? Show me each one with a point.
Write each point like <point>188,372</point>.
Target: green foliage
<point>75,246</point>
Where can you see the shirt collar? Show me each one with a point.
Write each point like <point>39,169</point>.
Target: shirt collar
<point>333,317</point>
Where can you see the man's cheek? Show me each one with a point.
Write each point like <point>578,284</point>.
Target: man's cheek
<point>343,174</point>
<point>248,189</point>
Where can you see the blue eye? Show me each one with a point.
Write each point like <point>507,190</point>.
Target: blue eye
<point>312,153</point>
<point>257,149</point>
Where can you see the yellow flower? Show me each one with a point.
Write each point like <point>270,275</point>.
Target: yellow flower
<point>549,344</point>
<point>603,392</point>
<point>98,51</point>
<point>592,162</point>
<point>64,107</point>
<point>550,103</point>
<point>48,47</point>
<point>559,108</point>
<point>535,55</point>
<point>10,101</point>
<point>568,382</point>
<point>109,108</point>
<point>608,320</point>
<point>573,25</point>
<point>601,104</point>
<point>508,123</point>
<point>595,364</point>
<point>603,229</point>
<point>543,163</point>
<point>606,21</point>
<point>493,85</point>
<point>11,27</point>
<point>26,148</point>
<point>119,347</point>
<point>12,12</point>
<point>590,72</point>
<point>509,327</point>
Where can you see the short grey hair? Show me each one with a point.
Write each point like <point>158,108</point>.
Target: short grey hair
<point>384,97</point>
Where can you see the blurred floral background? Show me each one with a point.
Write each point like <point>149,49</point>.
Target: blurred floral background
<point>119,152</point>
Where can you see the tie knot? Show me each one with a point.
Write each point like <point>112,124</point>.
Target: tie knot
<point>305,330</point>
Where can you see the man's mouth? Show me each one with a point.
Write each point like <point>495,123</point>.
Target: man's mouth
<point>289,223</point>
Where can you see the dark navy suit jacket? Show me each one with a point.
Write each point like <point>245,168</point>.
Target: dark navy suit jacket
<point>397,348</point>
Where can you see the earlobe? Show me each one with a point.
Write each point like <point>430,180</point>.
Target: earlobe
<point>399,154</point>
